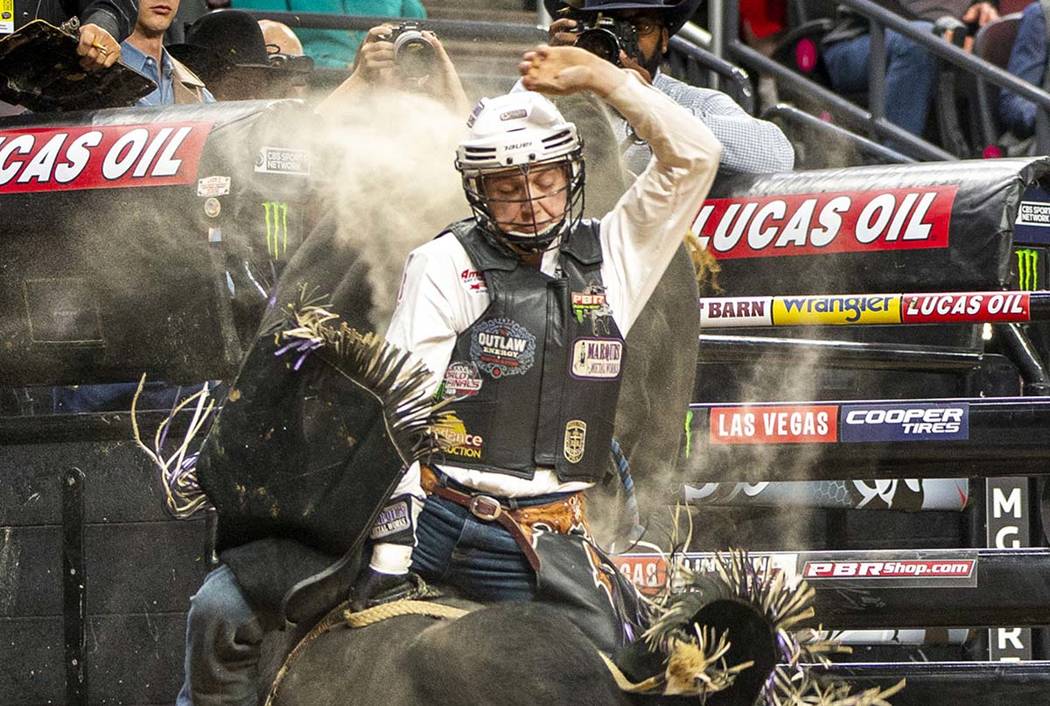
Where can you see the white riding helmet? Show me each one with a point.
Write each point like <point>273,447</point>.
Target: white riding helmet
<point>516,132</point>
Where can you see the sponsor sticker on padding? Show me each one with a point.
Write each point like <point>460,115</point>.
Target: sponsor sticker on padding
<point>282,160</point>
<point>213,186</point>
<point>904,569</point>
<point>830,222</point>
<point>774,424</point>
<point>824,310</point>
<point>969,307</point>
<point>1034,213</point>
<point>105,157</point>
<point>947,421</point>
<point>736,311</point>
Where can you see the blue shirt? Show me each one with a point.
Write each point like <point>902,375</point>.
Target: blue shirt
<point>1027,61</point>
<point>163,76</point>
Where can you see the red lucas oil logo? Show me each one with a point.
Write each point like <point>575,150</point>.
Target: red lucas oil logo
<point>774,424</point>
<point>832,222</point>
<point>979,306</point>
<point>109,157</point>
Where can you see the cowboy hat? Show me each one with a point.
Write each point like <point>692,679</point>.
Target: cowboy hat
<point>675,12</point>
<point>228,39</point>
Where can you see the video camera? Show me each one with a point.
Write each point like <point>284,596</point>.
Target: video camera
<point>607,37</point>
<point>413,54</point>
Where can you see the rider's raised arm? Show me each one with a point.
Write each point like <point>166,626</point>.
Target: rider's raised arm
<point>640,235</point>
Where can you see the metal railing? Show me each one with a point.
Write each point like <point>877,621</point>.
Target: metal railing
<point>864,146</point>
<point>874,117</point>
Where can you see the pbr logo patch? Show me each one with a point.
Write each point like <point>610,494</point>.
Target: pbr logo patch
<point>461,380</point>
<point>592,304</point>
<point>575,440</point>
<point>393,518</point>
<point>596,358</point>
<point>502,347</point>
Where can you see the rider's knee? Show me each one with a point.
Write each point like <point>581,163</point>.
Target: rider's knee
<point>220,599</point>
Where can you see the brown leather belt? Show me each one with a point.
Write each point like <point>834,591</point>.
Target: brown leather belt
<point>560,516</point>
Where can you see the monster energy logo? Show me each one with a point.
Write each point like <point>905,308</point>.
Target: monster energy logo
<point>276,228</point>
<point>1028,269</point>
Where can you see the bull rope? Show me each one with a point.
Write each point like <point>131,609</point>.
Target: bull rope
<point>341,614</point>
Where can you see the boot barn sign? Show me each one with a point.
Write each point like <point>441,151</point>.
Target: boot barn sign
<point>104,157</point>
<point>890,227</point>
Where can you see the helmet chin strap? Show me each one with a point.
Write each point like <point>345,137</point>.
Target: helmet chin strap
<point>531,243</point>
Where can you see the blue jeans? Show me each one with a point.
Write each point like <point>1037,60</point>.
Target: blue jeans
<point>223,639</point>
<point>911,72</point>
<point>481,559</point>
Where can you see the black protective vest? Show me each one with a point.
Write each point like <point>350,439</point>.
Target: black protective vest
<point>537,376</point>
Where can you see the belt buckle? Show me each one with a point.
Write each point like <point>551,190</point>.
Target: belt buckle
<point>485,508</point>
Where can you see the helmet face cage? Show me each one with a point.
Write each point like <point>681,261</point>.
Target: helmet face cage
<point>527,237</point>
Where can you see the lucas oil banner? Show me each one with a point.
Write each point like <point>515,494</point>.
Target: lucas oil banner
<point>142,239</point>
<point>915,227</point>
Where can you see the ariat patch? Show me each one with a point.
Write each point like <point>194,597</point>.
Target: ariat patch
<point>394,518</point>
<point>575,440</point>
<point>473,281</point>
<point>596,358</point>
<point>502,347</point>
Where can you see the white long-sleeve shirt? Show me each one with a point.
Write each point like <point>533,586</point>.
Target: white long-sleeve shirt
<point>442,294</point>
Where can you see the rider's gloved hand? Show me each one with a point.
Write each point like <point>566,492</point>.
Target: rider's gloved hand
<point>373,588</point>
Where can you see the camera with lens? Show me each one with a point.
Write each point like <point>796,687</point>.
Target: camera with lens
<point>607,37</point>
<point>413,54</point>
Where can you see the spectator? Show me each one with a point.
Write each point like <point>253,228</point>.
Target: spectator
<point>1028,60</point>
<point>335,49</point>
<point>103,24</point>
<point>911,71</point>
<point>227,49</point>
<point>143,51</point>
<point>750,146</point>
<point>762,24</point>
<point>281,36</point>
<point>376,69</point>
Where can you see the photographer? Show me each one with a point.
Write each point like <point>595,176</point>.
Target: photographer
<point>750,146</point>
<point>398,58</point>
<point>911,71</point>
